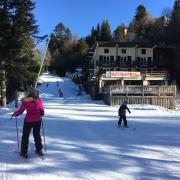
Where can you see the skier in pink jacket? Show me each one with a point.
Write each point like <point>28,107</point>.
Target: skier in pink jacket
<point>34,112</point>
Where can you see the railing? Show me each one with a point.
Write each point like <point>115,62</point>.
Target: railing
<point>155,95</point>
<point>142,90</point>
<point>156,74</point>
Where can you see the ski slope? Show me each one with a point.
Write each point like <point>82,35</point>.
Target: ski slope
<point>83,141</point>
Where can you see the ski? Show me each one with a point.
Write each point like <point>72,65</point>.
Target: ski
<point>19,154</point>
<point>24,158</point>
<point>126,128</point>
<point>41,157</point>
<point>123,128</point>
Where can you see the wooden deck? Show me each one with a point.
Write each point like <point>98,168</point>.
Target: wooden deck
<point>164,96</point>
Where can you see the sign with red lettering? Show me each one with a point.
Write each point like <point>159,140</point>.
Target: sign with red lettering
<point>124,74</point>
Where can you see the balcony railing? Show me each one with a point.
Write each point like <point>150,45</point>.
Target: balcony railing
<point>156,95</point>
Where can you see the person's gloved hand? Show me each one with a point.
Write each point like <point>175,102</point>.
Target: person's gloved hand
<point>14,114</point>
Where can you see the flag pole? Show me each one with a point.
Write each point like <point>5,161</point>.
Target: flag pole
<point>42,62</point>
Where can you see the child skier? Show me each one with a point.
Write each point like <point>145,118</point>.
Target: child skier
<point>80,91</point>
<point>60,92</point>
<point>34,112</point>
<point>57,83</point>
<point>122,114</point>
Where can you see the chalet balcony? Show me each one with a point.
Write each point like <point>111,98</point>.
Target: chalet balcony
<point>144,64</point>
<point>108,65</point>
<point>115,64</point>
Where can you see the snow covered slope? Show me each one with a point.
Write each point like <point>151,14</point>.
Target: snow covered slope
<point>83,141</point>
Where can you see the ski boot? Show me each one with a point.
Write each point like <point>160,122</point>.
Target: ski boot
<point>39,152</point>
<point>24,155</point>
<point>125,126</point>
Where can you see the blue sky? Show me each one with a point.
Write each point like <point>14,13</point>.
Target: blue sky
<point>80,15</point>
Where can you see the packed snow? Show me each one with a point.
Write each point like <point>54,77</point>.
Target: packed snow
<point>83,141</point>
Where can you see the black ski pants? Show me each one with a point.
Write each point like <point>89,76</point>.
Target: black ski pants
<point>122,117</point>
<point>36,126</point>
<point>61,94</point>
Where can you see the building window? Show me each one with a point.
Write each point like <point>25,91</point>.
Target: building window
<point>145,62</point>
<point>100,57</point>
<point>121,61</point>
<point>143,51</point>
<point>149,61</point>
<point>112,58</point>
<point>97,63</point>
<point>129,59</point>
<point>138,62</point>
<point>106,50</point>
<point>107,59</point>
<point>118,60</point>
<point>123,51</point>
<point>100,61</point>
<point>104,60</point>
<point>125,61</point>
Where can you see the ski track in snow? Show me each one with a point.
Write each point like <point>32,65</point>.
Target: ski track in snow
<point>83,141</point>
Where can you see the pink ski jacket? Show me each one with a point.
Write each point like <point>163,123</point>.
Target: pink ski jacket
<point>34,109</point>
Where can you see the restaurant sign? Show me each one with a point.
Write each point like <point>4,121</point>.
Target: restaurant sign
<point>123,74</point>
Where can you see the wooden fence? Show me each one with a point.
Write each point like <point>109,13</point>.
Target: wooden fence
<point>164,96</point>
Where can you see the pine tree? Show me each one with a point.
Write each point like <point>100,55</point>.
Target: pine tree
<point>159,29</point>
<point>93,36</point>
<point>66,53</point>
<point>59,47</point>
<point>120,33</point>
<point>174,37</point>
<point>174,26</point>
<point>141,24</point>
<point>6,45</point>
<point>105,34</point>
<point>140,13</point>
<point>24,26</point>
<point>62,38</point>
<point>98,31</point>
<point>17,26</point>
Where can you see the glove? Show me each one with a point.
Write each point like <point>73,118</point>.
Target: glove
<point>41,112</point>
<point>14,114</point>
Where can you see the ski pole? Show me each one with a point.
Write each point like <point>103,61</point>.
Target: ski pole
<point>43,136</point>
<point>17,133</point>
